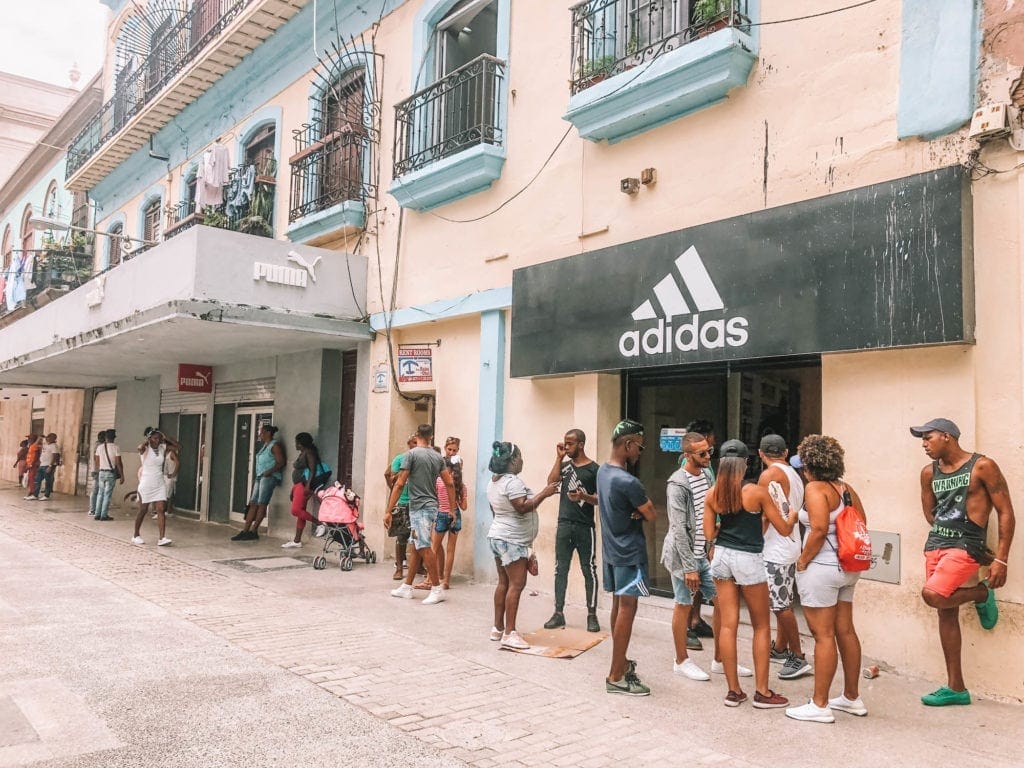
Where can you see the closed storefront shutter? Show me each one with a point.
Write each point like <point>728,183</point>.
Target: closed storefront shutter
<point>104,408</point>
<point>253,391</point>
<point>172,401</point>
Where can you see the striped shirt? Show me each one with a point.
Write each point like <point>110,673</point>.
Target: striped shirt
<point>699,489</point>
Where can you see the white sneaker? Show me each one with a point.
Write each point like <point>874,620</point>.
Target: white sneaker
<point>689,669</point>
<point>812,713</point>
<point>30,497</point>
<point>44,498</point>
<point>137,540</point>
<point>436,596</point>
<point>163,542</point>
<point>402,590</point>
<point>321,531</point>
<point>91,513</point>
<point>153,516</point>
<point>514,640</point>
<point>496,634</point>
<point>719,669</point>
<point>291,545</point>
<point>843,704</point>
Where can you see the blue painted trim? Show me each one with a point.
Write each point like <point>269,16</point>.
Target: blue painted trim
<point>118,218</point>
<point>344,215</point>
<point>429,14</point>
<point>156,192</point>
<point>190,171</point>
<point>448,180</point>
<point>490,300</point>
<point>692,77</point>
<point>260,118</point>
<point>490,427</point>
<point>939,54</point>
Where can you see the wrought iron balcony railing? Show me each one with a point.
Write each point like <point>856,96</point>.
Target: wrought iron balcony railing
<point>248,205</point>
<point>329,167</point>
<point>612,36</point>
<point>180,45</point>
<point>463,109</point>
<point>30,274</point>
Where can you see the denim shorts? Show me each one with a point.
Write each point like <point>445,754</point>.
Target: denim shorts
<point>626,580</point>
<point>745,568</point>
<point>444,522</point>
<point>263,489</point>
<point>682,593</point>
<point>421,524</point>
<point>506,552</point>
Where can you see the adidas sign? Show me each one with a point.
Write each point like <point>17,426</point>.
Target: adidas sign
<point>691,334</point>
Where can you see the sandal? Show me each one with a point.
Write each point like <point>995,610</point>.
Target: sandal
<point>399,575</point>
<point>425,584</point>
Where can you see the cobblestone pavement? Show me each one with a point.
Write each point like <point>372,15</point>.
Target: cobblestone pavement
<point>431,672</point>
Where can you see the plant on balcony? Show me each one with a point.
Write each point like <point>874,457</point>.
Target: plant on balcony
<point>596,70</point>
<point>261,212</point>
<point>212,217</point>
<point>711,15</point>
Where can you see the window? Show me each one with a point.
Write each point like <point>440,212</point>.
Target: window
<point>8,246</point>
<point>151,222</point>
<point>340,172</point>
<point>259,151</point>
<point>28,235</point>
<point>114,245</point>
<point>80,210</point>
<point>50,207</point>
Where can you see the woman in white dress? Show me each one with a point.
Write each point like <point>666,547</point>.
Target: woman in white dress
<point>152,489</point>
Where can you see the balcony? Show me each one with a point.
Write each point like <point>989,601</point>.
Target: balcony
<point>248,204</point>
<point>35,278</point>
<point>449,136</point>
<point>188,59</point>
<point>639,63</point>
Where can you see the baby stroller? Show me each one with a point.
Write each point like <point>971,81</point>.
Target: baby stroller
<point>340,527</point>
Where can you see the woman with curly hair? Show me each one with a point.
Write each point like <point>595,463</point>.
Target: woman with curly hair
<point>826,591</point>
<point>734,518</point>
<point>511,536</point>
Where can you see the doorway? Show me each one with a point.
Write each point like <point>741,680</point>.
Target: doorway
<point>743,401</point>
<point>190,431</point>
<point>248,424</point>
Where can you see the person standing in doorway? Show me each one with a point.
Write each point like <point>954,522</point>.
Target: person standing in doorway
<point>698,626</point>
<point>421,466</point>
<point>624,506</point>
<point>270,460</point>
<point>109,469</point>
<point>959,490</point>
<point>399,528</point>
<point>152,489</point>
<point>780,556</point>
<point>49,460</point>
<point>577,474</point>
<point>101,437</point>
<point>35,446</point>
<point>309,473</point>
<point>20,461</point>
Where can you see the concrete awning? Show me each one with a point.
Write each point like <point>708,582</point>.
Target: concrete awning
<point>206,296</point>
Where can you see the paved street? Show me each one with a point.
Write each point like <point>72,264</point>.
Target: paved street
<point>213,653</point>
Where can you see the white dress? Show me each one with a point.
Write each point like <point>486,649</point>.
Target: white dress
<point>151,481</point>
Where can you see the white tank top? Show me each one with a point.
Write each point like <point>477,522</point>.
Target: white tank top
<point>827,555</point>
<point>785,550</point>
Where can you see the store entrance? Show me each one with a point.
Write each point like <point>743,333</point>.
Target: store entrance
<point>741,401</point>
<point>248,424</point>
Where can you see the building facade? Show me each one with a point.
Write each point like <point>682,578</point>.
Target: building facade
<point>754,213</point>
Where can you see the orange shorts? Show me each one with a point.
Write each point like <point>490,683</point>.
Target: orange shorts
<point>946,570</point>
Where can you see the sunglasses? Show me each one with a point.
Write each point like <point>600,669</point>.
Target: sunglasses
<point>703,454</point>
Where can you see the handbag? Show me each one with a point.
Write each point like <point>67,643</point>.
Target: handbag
<point>532,566</point>
<point>113,466</point>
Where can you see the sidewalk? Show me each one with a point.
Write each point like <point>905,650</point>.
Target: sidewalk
<point>432,673</point>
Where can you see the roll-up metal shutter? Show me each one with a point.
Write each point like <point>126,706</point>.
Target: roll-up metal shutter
<point>253,391</point>
<point>172,401</point>
<point>104,407</point>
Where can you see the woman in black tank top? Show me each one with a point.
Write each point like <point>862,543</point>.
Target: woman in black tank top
<point>735,524</point>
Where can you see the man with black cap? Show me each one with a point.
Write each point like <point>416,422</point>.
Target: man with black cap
<point>958,492</point>
<point>624,506</point>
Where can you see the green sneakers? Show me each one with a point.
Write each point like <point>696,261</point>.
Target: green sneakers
<point>945,697</point>
<point>988,611</point>
<point>630,685</point>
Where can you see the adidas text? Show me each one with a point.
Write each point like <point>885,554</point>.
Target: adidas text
<point>688,337</point>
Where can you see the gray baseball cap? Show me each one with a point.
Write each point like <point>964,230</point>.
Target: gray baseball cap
<point>936,425</point>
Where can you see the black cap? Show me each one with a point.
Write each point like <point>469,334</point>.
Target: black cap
<point>773,445</point>
<point>733,449</point>
<point>936,425</point>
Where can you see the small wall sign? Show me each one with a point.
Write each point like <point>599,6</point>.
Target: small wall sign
<point>195,378</point>
<point>415,364</point>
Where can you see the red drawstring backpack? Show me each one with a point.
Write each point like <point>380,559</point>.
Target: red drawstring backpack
<point>854,552</point>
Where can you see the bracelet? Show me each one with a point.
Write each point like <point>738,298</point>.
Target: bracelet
<point>1001,562</point>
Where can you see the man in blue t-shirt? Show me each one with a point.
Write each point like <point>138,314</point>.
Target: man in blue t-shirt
<point>624,506</point>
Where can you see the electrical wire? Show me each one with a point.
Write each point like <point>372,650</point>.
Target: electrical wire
<point>810,15</point>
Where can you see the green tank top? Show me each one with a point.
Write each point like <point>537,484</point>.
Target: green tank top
<point>952,528</point>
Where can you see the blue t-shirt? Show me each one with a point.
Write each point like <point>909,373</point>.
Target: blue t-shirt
<point>619,495</point>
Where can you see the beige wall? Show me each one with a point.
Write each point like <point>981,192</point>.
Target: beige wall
<point>64,417</point>
<point>17,423</point>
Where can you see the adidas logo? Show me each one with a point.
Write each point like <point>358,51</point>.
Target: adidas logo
<point>692,334</point>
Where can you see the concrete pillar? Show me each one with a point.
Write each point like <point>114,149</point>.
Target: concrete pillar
<point>138,407</point>
<point>490,424</point>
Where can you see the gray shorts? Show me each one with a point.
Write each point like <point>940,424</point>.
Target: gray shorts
<point>745,568</point>
<point>823,585</point>
<point>781,579</point>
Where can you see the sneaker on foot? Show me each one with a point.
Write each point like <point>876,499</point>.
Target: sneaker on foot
<point>514,640</point>
<point>436,596</point>
<point>988,611</point>
<point>689,669</point>
<point>795,666</point>
<point>556,621</point>
<point>702,629</point>
<point>291,545</point>
<point>776,656</point>
<point>843,704</point>
<point>593,625</point>
<point>945,697</point>
<point>44,497</point>
<point>402,590</point>
<point>811,713</point>
<point>629,685</point>
<point>241,536</point>
<point>153,516</point>
<point>693,642</point>
<point>137,540</point>
<point>496,634</point>
<point>30,497</point>
<point>163,542</point>
<point>770,700</point>
<point>734,698</point>
<point>719,669</point>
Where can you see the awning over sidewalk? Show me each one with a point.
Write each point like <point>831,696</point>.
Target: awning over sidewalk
<point>207,296</point>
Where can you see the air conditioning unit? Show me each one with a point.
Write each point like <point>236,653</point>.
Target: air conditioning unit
<point>990,121</point>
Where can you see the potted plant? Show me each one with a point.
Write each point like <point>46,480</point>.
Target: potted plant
<point>212,217</point>
<point>596,70</point>
<point>711,15</point>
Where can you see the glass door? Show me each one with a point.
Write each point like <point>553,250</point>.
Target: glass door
<point>248,423</point>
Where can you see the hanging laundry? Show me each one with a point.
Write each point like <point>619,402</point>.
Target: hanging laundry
<point>211,176</point>
<point>240,192</point>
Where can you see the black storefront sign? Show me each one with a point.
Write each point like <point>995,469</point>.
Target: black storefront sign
<point>883,266</point>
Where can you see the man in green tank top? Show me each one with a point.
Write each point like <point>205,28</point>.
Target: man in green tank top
<point>958,492</point>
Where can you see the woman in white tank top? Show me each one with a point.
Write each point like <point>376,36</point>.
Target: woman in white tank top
<point>152,489</point>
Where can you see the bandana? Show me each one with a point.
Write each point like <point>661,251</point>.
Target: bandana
<point>627,427</point>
